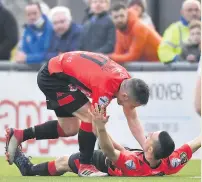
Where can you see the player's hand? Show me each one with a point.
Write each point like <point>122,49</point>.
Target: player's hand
<point>98,116</point>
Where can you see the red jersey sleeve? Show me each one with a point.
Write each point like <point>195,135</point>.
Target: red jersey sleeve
<point>179,159</point>
<point>129,164</point>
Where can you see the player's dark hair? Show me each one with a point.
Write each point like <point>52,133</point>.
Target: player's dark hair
<point>35,3</point>
<point>139,90</point>
<point>164,147</point>
<point>117,7</point>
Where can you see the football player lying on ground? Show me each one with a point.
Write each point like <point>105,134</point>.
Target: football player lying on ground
<point>159,158</point>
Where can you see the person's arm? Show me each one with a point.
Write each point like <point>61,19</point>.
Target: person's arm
<point>180,157</point>
<point>184,53</point>
<point>106,145</point>
<point>135,125</point>
<point>195,144</point>
<point>168,46</point>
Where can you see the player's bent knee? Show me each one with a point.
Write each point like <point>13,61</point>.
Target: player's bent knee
<point>70,126</point>
<point>61,164</point>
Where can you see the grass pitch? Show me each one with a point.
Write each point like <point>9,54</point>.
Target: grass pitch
<point>191,173</point>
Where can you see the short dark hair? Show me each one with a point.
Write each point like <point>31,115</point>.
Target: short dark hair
<point>117,6</point>
<point>164,147</point>
<point>140,90</point>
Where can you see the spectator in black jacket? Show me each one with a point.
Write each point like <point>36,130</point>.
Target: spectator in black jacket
<point>99,32</point>
<point>8,33</point>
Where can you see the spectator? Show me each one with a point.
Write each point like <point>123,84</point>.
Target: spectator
<point>177,33</point>
<point>99,32</point>
<point>36,38</point>
<point>139,7</point>
<point>191,51</point>
<point>88,11</point>
<point>66,33</point>
<point>8,33</point>
<point>135,41</point>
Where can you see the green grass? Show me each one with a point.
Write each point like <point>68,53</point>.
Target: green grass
<point>11,174</point>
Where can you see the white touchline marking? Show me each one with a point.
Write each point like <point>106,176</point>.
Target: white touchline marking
<point>197,177</point>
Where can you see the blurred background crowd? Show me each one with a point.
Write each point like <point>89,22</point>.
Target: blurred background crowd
<point>33,31</point>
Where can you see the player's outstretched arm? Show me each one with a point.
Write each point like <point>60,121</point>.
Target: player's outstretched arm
<point>99,119</point>
<point>195,144</point>
<point>135,125</point>
<point>180,157</point>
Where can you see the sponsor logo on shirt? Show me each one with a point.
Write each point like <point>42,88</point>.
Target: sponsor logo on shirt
<point>183,158</point>
<point>130,165</point>
<point>175,162</point>
<point>103,101</point>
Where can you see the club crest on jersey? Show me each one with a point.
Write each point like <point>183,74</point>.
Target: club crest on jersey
<point>103,101</point>
<point>175,162</point>
<point>130,165</point>
<point>184,158</point>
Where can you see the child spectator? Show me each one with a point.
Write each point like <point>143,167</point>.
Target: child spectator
<point>191,50</point>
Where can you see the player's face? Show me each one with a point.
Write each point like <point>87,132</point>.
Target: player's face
<point>99,6</point>
<point>126,102</point>
<point>191,11</point>
<point>120,18</point>
<point>33,13</point>
<point>151,138</point>
<point>60,23</point>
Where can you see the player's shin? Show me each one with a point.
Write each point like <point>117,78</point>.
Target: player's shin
<point>47,130</point>
<point>87,141</point>
<point>46,169</point>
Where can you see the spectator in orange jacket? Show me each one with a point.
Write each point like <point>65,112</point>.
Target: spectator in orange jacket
<point>135,41</point>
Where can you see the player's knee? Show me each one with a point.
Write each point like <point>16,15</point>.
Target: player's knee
<point>61,164</point>
<point>70,126</point>
<point>74,130</point>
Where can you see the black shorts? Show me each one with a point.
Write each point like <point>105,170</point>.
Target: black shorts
<point>61,96</point>
<point>99,160</point>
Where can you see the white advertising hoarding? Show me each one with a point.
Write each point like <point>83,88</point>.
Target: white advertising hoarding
<point>170,108</point>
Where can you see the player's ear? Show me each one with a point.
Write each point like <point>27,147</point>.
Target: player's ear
<point>125,96</point>
<point>150,150</point>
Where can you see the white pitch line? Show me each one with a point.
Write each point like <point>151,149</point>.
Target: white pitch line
<point>195,177</point>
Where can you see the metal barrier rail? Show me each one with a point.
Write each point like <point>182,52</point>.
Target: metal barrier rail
<point>137,66</point>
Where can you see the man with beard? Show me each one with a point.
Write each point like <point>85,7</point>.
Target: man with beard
<point>135,41</point>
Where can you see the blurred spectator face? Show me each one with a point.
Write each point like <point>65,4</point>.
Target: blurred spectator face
<point>33,13</point>
<point>120,18</point>
<point>195,35</point>
<point>191,10</point>
<point>60,23</point>
<point>99,6</point>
